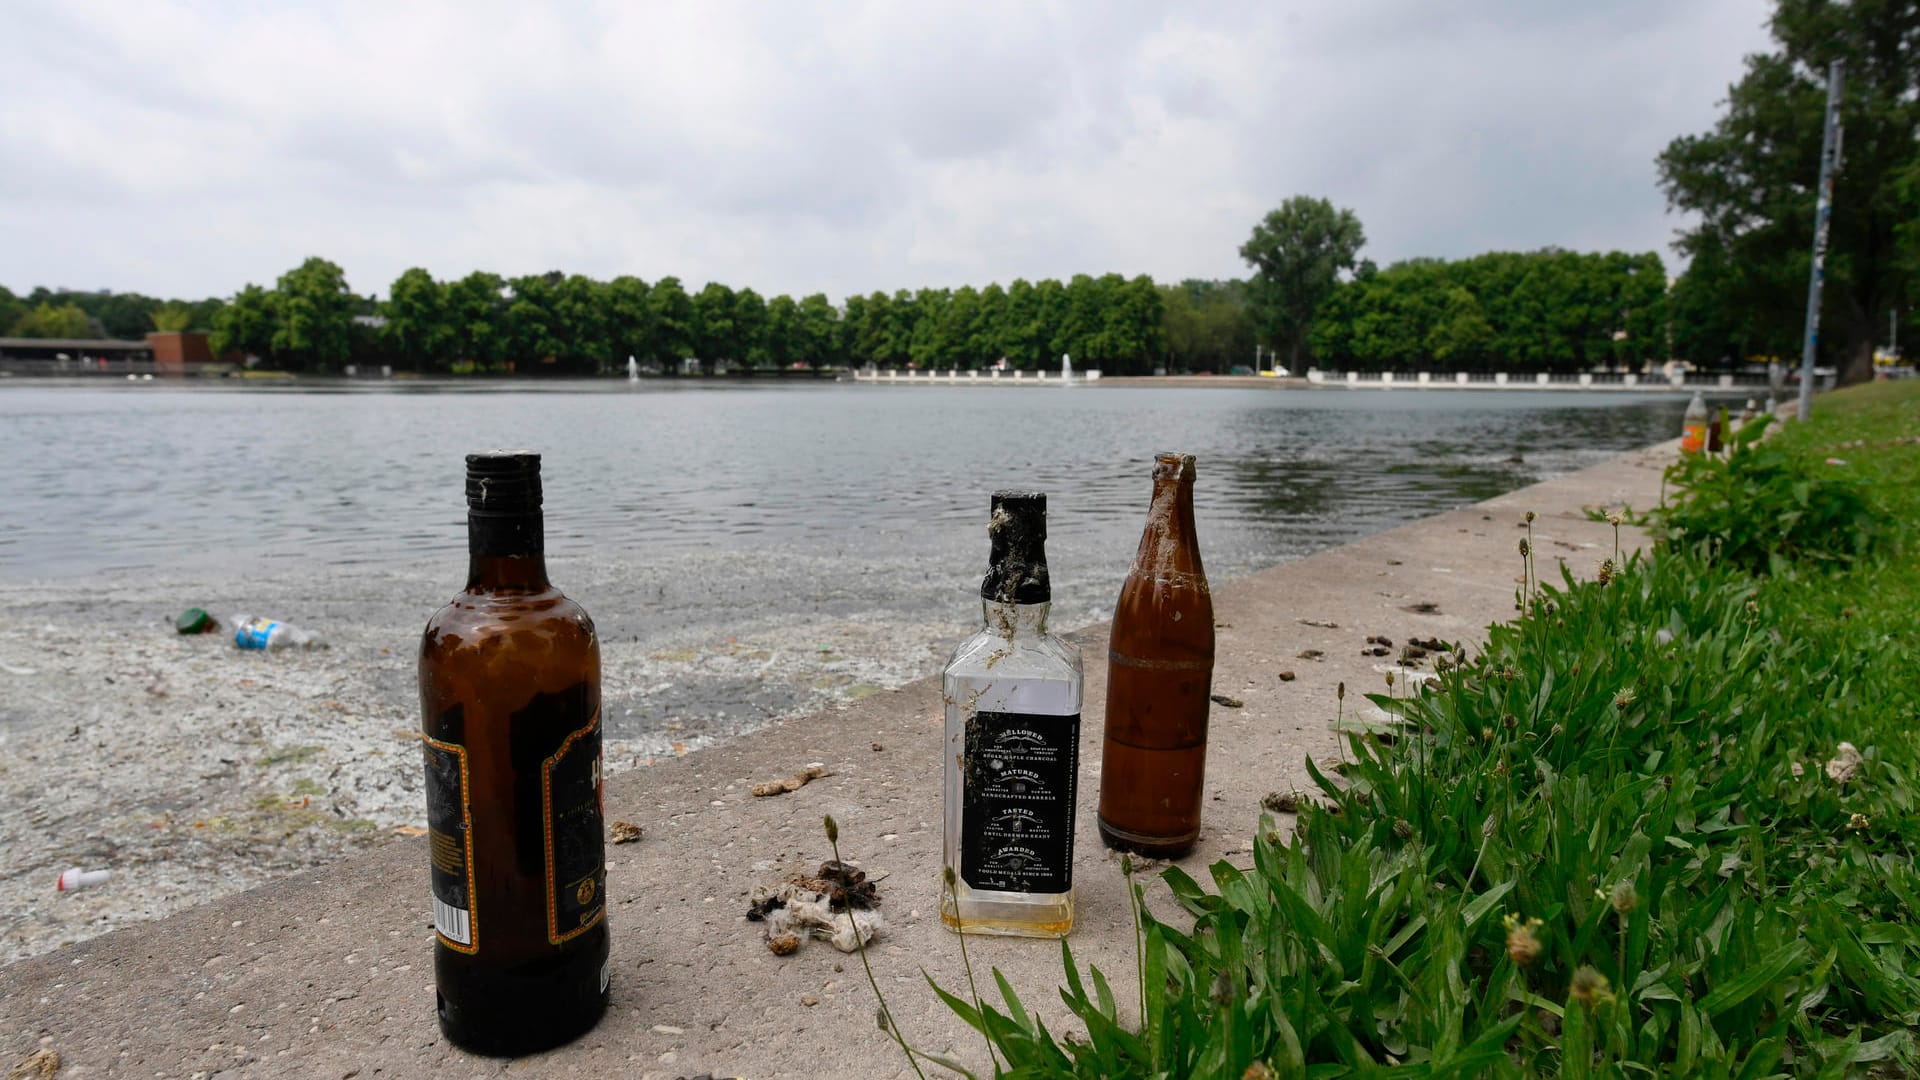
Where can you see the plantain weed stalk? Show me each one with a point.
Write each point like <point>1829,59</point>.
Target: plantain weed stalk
<point>893,1029</point>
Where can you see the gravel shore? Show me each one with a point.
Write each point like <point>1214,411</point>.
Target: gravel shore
<point>191,769</point>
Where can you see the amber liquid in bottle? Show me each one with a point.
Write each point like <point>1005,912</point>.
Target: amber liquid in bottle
<point>1159,677</point>
<point>510,692</point>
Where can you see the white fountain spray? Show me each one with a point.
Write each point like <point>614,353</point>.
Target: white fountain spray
<point>1066,369</point>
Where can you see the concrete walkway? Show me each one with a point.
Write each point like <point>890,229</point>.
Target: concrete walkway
<point>329,974</point>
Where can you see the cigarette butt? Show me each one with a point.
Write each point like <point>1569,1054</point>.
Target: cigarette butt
<point>77,878</point>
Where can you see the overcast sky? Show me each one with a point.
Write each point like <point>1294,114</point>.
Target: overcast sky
<point>187,149</point>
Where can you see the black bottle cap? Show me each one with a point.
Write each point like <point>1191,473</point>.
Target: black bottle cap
<point>503,482</point>
<point>1017,570</point>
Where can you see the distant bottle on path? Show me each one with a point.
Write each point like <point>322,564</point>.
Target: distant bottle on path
<point>1159,680</point>
<point>1693,426</point>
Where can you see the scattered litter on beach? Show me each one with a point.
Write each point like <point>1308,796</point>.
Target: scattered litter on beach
<point>814,771</point>
<point>42,1064</point>
<point>1309,654</point>
<point>1845,764</point>
<point>1320,623</point>
<point>409,830</point>
<point>1229,702</point>
<point>76,878</point>
<point>818,906</point>
<point>624,832</point>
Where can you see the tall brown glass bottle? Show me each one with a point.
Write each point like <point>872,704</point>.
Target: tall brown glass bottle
<point>1159,676</point>
<point>510,689</point>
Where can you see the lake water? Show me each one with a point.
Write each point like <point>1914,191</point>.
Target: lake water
<point>747,551</point>
<point>195,479</point>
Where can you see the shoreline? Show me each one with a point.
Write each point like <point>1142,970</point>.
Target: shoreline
<point>695,988</point>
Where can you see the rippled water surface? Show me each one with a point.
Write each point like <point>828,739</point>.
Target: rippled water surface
<point>199,479</point>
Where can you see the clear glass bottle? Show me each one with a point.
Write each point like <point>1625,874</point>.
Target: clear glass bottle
<point>1013,695</point>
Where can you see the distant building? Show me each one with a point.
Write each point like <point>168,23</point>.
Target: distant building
<point>174,349</point>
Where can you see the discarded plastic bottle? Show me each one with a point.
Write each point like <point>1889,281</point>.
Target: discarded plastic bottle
<point>1013,695</point>
<point>1715,428</point>
<point>1693,426</point>
<point>253,632</point>
<point>1159,678</point>
<point>510,692</point>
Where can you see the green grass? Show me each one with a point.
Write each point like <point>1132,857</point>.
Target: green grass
<point>1608,843</point>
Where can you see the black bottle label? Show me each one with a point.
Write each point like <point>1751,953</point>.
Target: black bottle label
<point>576,871</point>
<point>450,838</point>
<point>1016,823</point>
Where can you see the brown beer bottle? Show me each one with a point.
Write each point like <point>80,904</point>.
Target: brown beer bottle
<point>1159,676</point>
<point>510,690</point>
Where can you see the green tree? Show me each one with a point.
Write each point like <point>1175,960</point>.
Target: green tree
<point>927,344</point>
<point>10,309</point>
<point>419,331</point>
<point>1050,330</point>
<point>532,325</point>
<point>1298,253</point>
<point>1752,178</point>
<point>716,334</point>
<point>819,332</point>
<point>856,330</point>
<point>750,328</point>
<point>313,314</point>
<point>673,323</point>
<point>172,317</point>
<point>630,319</point>
<point>245,325</point>
<point>903,318</point>
<point>783,330</point>
<point>1021,337</point>
<point>477,314</point>
<point>581,322</point>
<point>48,321</point>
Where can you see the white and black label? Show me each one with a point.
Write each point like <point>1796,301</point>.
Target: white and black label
<point>1019,782</point>
<point>450,841</point>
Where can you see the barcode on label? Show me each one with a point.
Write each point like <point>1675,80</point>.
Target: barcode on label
<point>452,922</point>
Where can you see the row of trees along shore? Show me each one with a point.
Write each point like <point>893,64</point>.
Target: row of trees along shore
<point>1568,308</point>
<point>1748,186</point>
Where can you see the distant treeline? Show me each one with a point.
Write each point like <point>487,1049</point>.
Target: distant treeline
<point>50,313</point>
<point>1541,310</point>
<point>1544,311</point>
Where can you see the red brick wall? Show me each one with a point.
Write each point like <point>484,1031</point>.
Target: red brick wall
<point>174,349</point>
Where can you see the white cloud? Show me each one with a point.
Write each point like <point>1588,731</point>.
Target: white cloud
<point>187,148</point>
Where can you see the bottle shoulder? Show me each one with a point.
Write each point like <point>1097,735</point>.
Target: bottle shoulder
<point>477,615</point>
<point>1029,655</point>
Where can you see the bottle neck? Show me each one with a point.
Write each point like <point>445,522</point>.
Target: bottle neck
<point>1015,620</point>
<point>518,573</point>
<point>506,551</point>
<point>1169,541</point>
